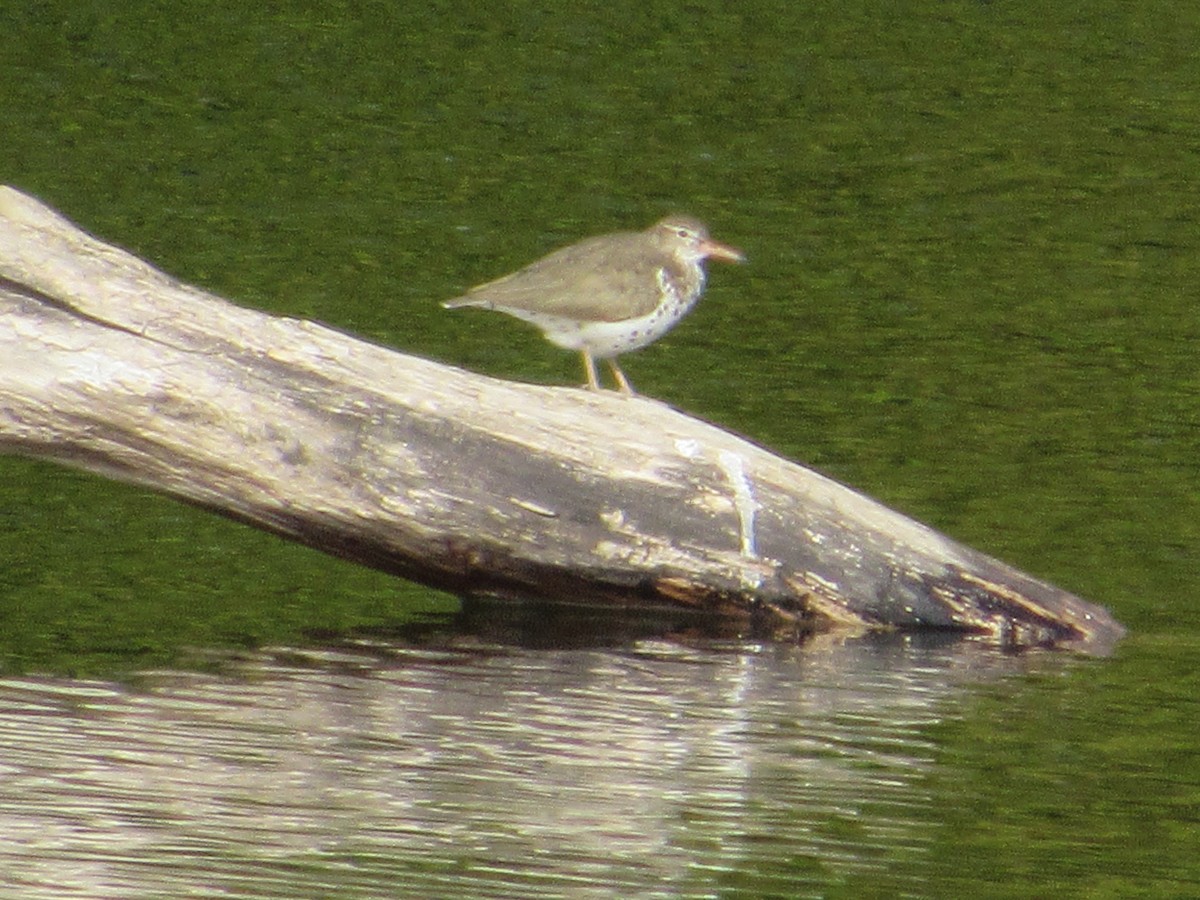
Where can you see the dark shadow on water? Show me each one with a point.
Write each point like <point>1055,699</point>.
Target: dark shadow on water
<point>535,625</point>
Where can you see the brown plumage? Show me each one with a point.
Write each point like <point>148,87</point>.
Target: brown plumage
<point>611,294</point>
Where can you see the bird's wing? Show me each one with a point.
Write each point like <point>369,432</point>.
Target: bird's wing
<point>601,279</point>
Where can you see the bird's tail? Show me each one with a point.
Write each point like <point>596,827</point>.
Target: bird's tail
<point>460,302</point>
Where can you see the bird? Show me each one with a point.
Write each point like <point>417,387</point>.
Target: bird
<point>610,294</point>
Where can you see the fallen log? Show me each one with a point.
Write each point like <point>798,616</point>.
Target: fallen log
<point>463,482</point>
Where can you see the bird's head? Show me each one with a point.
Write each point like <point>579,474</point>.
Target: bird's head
<point>687,239</point>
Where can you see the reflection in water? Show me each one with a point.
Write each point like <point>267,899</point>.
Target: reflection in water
<point>482,770</point>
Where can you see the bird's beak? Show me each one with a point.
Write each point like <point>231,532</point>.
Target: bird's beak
<point>717,250</point>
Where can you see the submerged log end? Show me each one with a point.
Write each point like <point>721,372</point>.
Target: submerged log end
<point>1016,612</point>
<point>994,602</point>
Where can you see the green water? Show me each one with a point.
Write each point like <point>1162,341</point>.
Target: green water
<point>972,231</point>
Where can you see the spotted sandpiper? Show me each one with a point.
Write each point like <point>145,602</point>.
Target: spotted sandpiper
<point>607,295</point>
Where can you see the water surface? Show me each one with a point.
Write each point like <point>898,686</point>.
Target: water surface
<point>973,253</point>
<point>468,769</point>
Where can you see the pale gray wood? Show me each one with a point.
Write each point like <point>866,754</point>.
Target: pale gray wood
<point>460,481</point>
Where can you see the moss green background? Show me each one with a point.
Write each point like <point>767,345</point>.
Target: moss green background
<point>972,231</point>
<point>971,228</point>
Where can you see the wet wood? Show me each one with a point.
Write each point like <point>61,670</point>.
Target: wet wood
<point>460,481</point>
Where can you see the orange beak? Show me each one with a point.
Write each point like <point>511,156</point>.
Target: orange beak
<point>717,250</point>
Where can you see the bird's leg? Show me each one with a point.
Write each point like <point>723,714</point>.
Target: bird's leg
<point>622,381</point>
<point>589,366</point>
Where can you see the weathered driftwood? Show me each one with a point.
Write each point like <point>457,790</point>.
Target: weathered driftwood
<point>460,481</point>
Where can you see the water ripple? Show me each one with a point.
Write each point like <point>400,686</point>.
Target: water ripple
<point>390,770</point>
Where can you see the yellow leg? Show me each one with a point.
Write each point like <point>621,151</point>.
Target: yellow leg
<point>622,381</point>
<point>589,366</point>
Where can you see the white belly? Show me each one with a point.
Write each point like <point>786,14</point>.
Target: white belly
<point>607,339</point>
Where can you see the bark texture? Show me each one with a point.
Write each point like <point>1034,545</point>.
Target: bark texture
<point>461,481</point>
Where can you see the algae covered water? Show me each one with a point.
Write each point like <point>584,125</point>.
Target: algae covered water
<point>971,230</point>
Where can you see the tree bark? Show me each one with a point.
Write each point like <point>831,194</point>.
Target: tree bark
<point>456,480</point>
